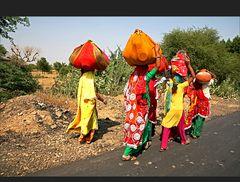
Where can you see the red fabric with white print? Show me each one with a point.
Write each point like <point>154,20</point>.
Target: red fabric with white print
<point>136,107</point>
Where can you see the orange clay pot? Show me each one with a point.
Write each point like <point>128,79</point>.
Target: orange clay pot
<point>203,76</point>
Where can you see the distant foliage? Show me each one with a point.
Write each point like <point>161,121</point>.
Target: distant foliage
<point>3,51</point>
<point>31,67</point>
<point>57,66</point>
<point>15,81</point>
<point>234,45</point>
<point>67,81</point>
<point>112,80</point>
<point>43,65</point>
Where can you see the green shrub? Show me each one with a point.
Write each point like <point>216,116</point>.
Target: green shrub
<point>227,89</point>
<point>66,82</point>
<point>112,80</point>
<point>15,81</point>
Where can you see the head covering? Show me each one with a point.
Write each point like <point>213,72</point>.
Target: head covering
<point>179,61</point>
<point>178,79</point>
<point>181,54</point>
<point>174,69</point>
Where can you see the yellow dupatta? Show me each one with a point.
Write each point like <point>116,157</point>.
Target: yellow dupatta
<point>86,117</point>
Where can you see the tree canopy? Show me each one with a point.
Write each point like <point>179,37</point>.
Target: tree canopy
<point>205,50</point>
<point>43,65</point>
<point>9,24</point>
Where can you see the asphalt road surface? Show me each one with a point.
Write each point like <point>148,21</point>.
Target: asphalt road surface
<point>215,153</point>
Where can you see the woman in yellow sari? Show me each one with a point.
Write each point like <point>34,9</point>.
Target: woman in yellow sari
<point>85,121</point>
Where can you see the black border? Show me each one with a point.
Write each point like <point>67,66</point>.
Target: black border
<point>119,8</point>
<point>122,179</point>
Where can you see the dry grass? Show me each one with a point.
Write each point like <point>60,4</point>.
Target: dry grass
<point>57,100</point>
<point>46,80</point>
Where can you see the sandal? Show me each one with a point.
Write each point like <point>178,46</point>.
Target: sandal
<point>126,157</point>
<point>147,145</point>
<point>187,142</point>
<point>90,136</point>
<point>162,149</point>
<point>82,138</point>
<point>133,158</point>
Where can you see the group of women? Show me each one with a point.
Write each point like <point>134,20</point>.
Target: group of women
<point>140,102</point>
<point>140,106</point>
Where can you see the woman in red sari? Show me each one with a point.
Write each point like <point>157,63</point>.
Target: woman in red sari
<point>137,128</point>
<point>200,106</point>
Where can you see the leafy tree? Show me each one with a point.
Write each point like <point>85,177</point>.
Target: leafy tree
<point>31,67</point>
<point>9,24</point>
<point>204,49</point>
<point>207,51</point>
<point>57,66</point>
<point>234,45</point>
<point>43,65</point>
<point>65,69</point>
<point>15,81</point>
<point>3,51</point>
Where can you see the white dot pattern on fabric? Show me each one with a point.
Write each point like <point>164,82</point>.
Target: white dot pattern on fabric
<point>133,128</point>
<point>142,126</point>
<point>128,108</point>
<point>145,78</point>
<point>132,97</point>
<point>136,136</point>
<point>131,116</point>
<point>126,126</point>
<point>134,106</point>
<point>135,78</point>
<point>139,119</point>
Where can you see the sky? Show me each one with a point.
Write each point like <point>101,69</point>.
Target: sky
<point>56,36</point>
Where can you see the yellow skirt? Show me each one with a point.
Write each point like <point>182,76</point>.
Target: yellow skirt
<point>86,117</point>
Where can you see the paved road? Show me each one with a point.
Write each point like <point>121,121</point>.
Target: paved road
<point>215,153</point>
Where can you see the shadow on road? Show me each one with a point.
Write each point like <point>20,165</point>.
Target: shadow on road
<point>104,126</point>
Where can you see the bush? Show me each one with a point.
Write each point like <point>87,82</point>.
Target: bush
<point>43,65</point>
<point>67,82</point>
<point>227,89</point>
<point>15,81</point>
<point>112,80</point>
<point>31,67</point>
